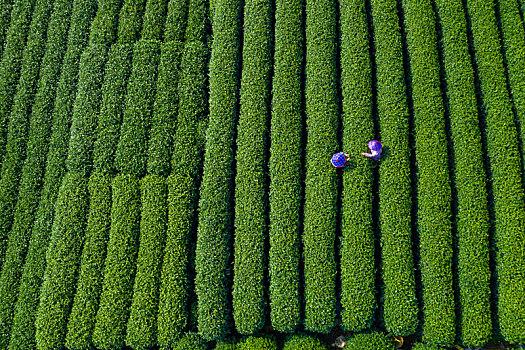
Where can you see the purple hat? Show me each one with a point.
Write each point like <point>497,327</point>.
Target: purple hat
<point>375,145</point>
<point>338,160</point>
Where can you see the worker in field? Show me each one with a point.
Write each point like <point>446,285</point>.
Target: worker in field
<point>376,148</point>
<point>339,159</point>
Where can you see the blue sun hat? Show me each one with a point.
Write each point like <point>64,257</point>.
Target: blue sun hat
<point>375,145</point>
<point>338,160</point>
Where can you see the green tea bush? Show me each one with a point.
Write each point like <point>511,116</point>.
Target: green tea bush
<point>23,330</point>
<point>397,268</point>
<point>249,292</point>
<point>285,166</point>
<point>303,342</point>
<point>20,82</point>
<point>130,21</point>
<point>19,203</point>
<point>421,346</point>
<point>62,259</point>
<point>357,245</point>
<point>370,341</point>
<point>142,325</point>
<point>221,345</point>
<point>198,22</point>
<point>85,304</point>
<point>165,109</point>
<point>119,271</point>
<point>183,194</point>
<point>433,180</point>
<point>154,17</point>
<point>118,68</point>
<point>190,341</point>
<point>472,218</point>
<point>5,17</point>
<point>320,212</point>
<point>13,49</point>
<point>176,19</point>
<point>104,25</point>
<point>56,299</point>
<point>513,36</point>
<point>131,155</point>
<point>257,343</point>
<point>505,175</point>
<point>212,283</point>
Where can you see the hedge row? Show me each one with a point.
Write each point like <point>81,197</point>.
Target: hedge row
<point>119,271</point>
<point>433,179</point>
<point>357,246</point>
<point>5,16</point>
<point>23,330</point>
<point>104,25</point>
<point>183,194</point>
<point>57,296</point>
<point>176,19</point>
<point>212,283</point>
<point>34,165</point>
<point>130,21</point>
<point>62,261</point>
<point>504,160</point>
<point>82,319</point>
<point>472,217</point>
<point>190,341</point>
<point>513,36</point>
<point>198,21</point>
<point>303,342</point>
<point>249,292</point>
<point>118,68</point>
<point>320,212</point>
<point>142,325</point>
<point>285,166</point>
<point>165,109</point>
<point>131,155</point>
<point>397,267</point>
<point>371,341</point>
<point>154,17</point>
<point>257,343</point>
<point>13,48</point>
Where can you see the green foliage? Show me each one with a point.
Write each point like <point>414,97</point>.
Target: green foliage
<point>421,346</point>
<point>257,343</point>
<point>212,283</point>
<point>27,70</point>
<point>104,25</point>
<point>142,325</point>
<point>470,180</point>
<point>86,109</point>
<point>513,35</point>
<point>249,299</point>
<point>394,185</point>
<point>320,212</point>
<point>303,342</point>
<point>221,345</point>
<point>154,17</point>
<point>5,16</point>
<point>13,49</point>
<point>63,258</point>
<point>198,21</point>
<point>190,341</point>
<point>370,341</point>
<point>34,165</point>
<point>165,109</point>
<point>85,304</point>
<point>118,68</point>
<point>504,160</point>
<point>433,181</point>
<point>285,167</point>
<point>357,246</point>
<point>131,153</point>
<point>119,270</point>
<point>130,21</point>
<point>175,25</point>
<point>23,330</point>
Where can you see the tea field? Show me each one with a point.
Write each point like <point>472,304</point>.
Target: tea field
<point>165,175</point>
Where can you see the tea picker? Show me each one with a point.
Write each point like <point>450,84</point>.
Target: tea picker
<point>339,159</point>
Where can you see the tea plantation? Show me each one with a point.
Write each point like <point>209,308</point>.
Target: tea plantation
<point>165,174</point>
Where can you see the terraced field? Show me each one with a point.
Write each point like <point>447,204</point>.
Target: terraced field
<point>165,176</point>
